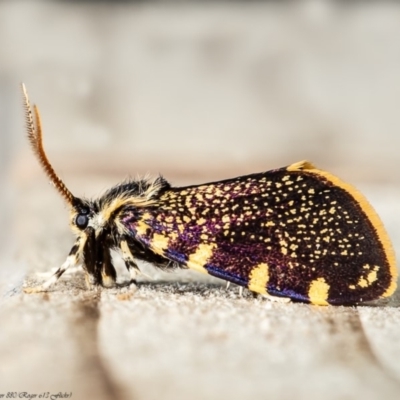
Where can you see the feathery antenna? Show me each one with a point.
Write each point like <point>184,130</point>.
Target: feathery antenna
<point>34,131</point>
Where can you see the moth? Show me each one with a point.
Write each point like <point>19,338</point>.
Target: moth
<point>296,232</point>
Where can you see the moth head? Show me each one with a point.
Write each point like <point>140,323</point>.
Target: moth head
<point>82,214</point>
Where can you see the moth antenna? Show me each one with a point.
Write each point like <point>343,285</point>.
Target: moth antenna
<point>34,131</point>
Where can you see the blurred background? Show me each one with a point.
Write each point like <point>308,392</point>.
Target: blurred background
<point>197,91</point>
<point>203,88</point>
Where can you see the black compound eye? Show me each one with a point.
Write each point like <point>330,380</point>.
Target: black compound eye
<point>82,221</point>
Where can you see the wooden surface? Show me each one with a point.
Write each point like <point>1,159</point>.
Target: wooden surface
<point>180,335</point>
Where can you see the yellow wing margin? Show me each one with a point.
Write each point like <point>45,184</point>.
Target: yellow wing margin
<point>376,222</point>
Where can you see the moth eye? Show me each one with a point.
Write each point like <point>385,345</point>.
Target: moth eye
<point>82,221</point>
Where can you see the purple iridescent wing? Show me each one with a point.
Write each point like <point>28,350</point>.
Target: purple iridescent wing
<point>296,232</point>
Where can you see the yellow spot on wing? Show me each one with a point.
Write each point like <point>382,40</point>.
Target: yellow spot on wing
<point>199,258</point>
<point>258,278</point>
<point>159,243</point>
<point>363,283</point>
<point>226,218</point>
<point>173,235</point>
<point>141,228</point>
<point>370,279</point>
<point>318,292</point>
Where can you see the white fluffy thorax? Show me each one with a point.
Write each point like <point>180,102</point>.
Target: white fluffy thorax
<point>97,222</point>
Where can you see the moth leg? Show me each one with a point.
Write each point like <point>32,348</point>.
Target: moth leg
<point>71,260</point>
<point>240,291</point>
<point>129,260</point>
<point>97,261</point>
<point>276,299</point>
<point>227,285</point>
<point>69,271</point>
<point>108,273</point>
<point>90,281</point>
